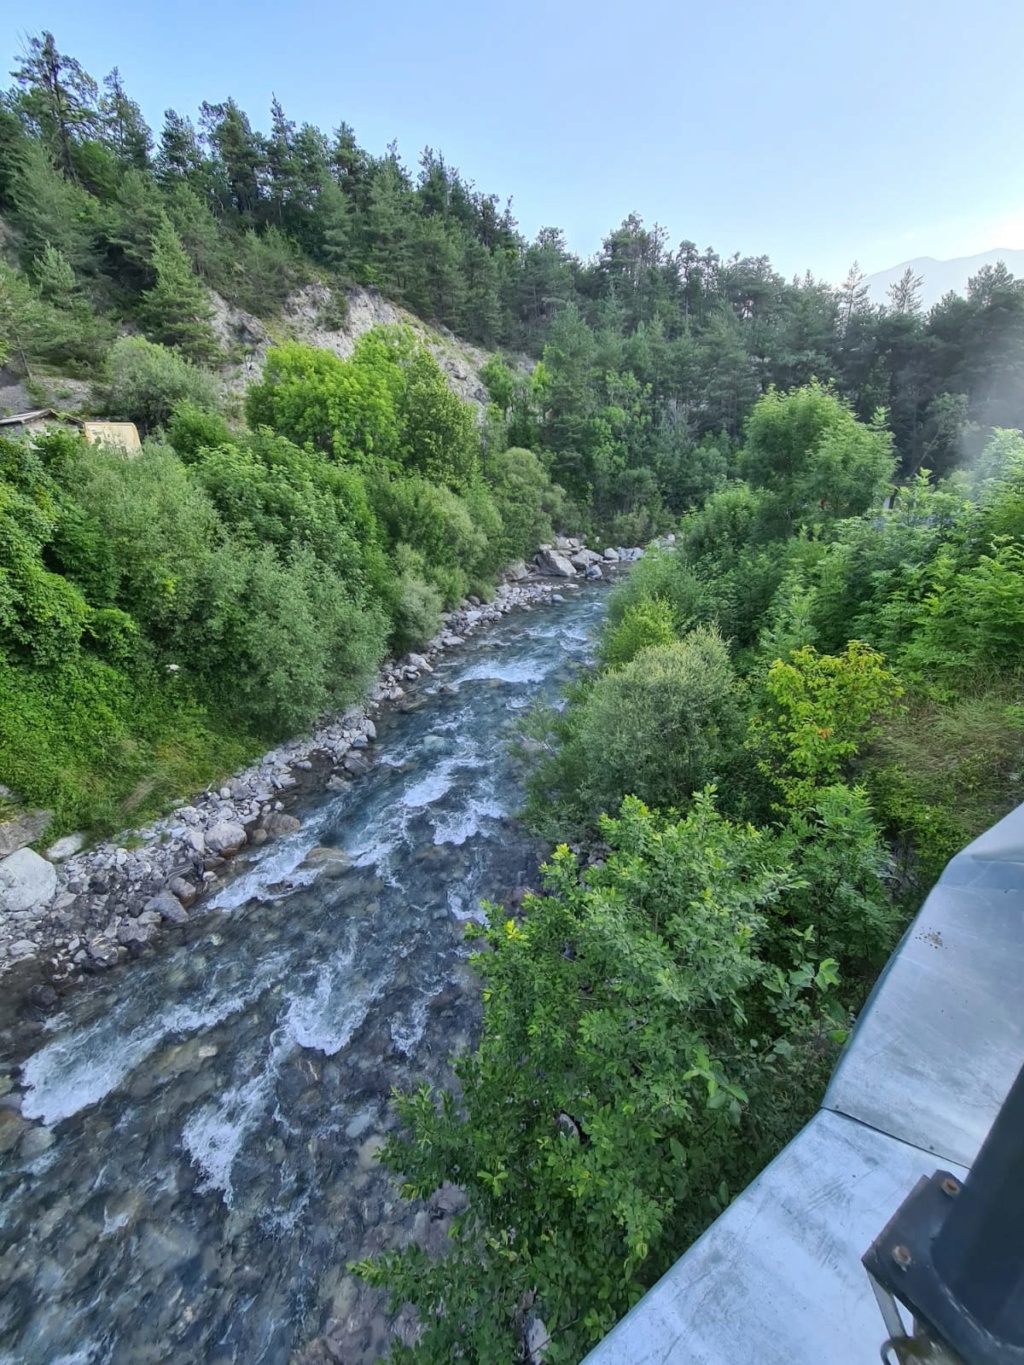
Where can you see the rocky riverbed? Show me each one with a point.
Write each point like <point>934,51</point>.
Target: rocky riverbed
<point>77,911</point>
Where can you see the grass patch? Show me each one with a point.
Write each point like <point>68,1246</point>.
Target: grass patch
<point>942,772</point>
<point>102,752</point>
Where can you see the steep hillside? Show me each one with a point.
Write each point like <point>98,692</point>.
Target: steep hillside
<point>311,315</point>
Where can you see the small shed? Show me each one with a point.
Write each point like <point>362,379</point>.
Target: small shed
<point>123,436</point>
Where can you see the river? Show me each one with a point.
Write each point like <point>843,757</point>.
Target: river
<point>202,1167</point>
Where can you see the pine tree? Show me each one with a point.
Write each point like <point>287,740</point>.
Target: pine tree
<point>176,311</point>
<point>125,130</point>
<point>905,293</point>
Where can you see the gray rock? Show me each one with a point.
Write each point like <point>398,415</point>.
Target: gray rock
<point>103,952</point>
<point>356,765</point>
<point>226,837</point>
<point>536,1339</point>
<point>23,948</point>
<point>593,573</point>
<point>553,564</point>
<point>517,571</point>
<point>369,729</point>
<point>168,907</point>
<point>66,847</point>
<point>611,556</point>
<point>278,824</point>
<point>26,829</point>
<point>135,932</point>
<point>183,890</point>
<point>11,1129</point>
<point>337,784</point>
<point>35,1142</point>
<point>582,559</point>
<point>26,880</point>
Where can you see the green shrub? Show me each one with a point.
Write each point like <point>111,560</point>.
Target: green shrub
<point>143,382</point>
<point>531,507</point>
<point>660,728</point>
<point>649,622</point>
<point>103,750</point>
<point>193,428</point>
<point>417,604</point>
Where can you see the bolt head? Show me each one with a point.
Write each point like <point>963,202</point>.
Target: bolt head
<point>901,1255</point>
<point>950,1186</point>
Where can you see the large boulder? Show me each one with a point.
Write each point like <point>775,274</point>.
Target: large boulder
<point>26,880</point>
<point>553,564</point>
<point>277,824</point>
<point>226,837</point>
<point>582,559</point>
<point>517,571</point>
<point>26,829</point>
<point>612,556</point>
<point>168,907</point>
<point>66,847</point>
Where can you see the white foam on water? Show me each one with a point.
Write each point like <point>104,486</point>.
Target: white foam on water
<point>81,1069</point>
<point>406,1033</point>
<point>325,1020</point>
<point>214,1135</point>
<point>494,670</point>
<point>464,823</point>
<point>463,907</point>
<point>436,784</point>
<point>281,864</point>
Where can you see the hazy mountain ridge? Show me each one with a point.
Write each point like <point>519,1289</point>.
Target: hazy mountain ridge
<point>939,277</point>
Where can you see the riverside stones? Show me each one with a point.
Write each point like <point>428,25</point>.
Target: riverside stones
<point>553,564</point>
<point>168,907</point>
<point>226,838</point>
<point>66,847</point>
<point>26,829</point>
<point>26,880</point>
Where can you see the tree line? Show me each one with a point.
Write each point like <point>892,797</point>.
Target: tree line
<point>654,353</point>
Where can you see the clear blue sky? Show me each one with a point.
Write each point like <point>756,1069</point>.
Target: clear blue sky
<point>814,132</point>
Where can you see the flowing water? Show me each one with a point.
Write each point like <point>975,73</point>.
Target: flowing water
<point>216,1106</point>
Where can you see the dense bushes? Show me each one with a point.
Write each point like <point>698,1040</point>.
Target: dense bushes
<point>660,1021</point>
<point>237,583</point>
<point>143,382</point>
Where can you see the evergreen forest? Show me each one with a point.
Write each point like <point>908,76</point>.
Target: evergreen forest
<point>802,707</point>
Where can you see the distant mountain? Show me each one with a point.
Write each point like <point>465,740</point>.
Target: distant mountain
<point>941,276</point>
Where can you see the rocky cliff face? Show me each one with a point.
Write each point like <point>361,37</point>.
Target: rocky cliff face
<point>310,315</point>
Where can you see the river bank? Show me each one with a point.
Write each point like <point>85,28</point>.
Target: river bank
<point>103,905</point>
<point>187,1143</point>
